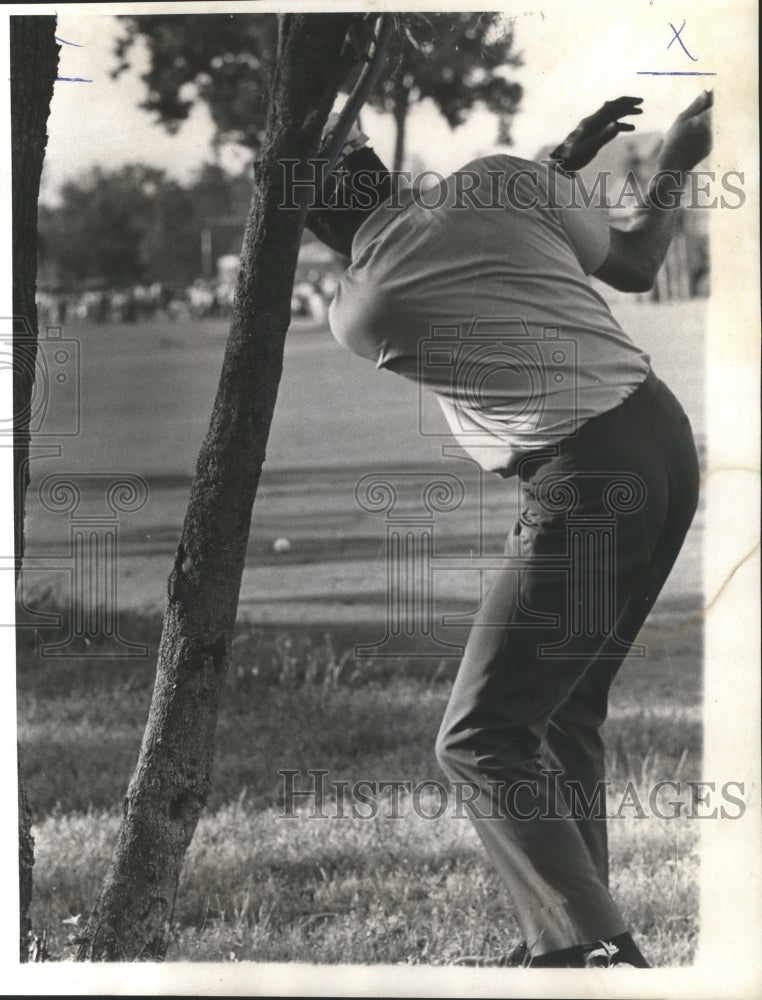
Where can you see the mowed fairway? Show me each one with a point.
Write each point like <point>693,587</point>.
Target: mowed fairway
<point>146,397</point>
<point>373,887</point>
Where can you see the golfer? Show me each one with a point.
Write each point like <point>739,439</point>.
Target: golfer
<point>477,288</point>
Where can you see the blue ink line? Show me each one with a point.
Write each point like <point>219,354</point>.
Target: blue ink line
<point>64,42</point>
<point>656,72</point>
<point>73,79</point>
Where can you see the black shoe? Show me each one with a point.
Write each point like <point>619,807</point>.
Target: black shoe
<point>618,951</point>
<point>602,955</point>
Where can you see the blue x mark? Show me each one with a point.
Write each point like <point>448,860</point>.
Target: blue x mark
<point>677,38</point>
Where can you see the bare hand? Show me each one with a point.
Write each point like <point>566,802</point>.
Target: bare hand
<point>689,139</point>
<point>593,132</point>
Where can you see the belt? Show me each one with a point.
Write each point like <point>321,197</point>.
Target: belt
<point>648,387</point>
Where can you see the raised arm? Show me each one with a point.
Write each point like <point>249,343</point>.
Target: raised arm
<point>593,132</point>
<point>636,254</point>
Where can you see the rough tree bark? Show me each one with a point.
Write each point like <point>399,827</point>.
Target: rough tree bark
<point>34,67</point>
<point>169,787</point>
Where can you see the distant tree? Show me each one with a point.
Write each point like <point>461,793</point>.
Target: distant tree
<point>224,60</point>
<point>455,60</point>
<point>134,225</point>
<point>220,203</point>
<point>169,249</point>
<point>217,193</point>
<point>123,227</point>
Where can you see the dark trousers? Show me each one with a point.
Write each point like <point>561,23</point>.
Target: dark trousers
<point>601,523</point>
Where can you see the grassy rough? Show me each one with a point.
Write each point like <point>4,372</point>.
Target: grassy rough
<point>299,699</point>
<point>263,888</point>
<point>257,887</point>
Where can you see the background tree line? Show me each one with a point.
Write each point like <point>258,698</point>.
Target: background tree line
<point>136,225</point>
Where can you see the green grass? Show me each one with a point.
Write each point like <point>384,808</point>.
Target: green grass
<point>300,699</point>
<point>263,888</point>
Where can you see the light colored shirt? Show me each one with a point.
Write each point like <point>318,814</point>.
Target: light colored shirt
<point>477,288</point>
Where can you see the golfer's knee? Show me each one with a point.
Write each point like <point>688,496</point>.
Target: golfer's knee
<point>481,751</point>
<point>449,750</point>
<point>460,747</point>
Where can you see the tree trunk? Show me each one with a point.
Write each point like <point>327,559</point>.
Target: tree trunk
<point>169,787</point>
<point>401,107</point>
<point>34,67</point>
<point>26,866</point>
